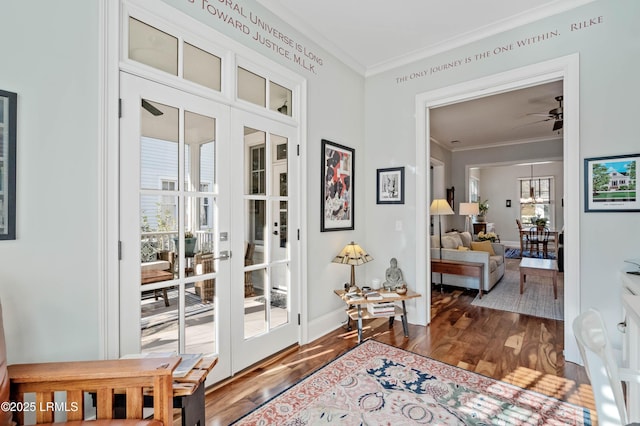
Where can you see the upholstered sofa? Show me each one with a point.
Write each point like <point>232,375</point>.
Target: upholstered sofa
<point>459,246</point>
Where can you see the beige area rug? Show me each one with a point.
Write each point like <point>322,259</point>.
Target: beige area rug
<point>537,299</point>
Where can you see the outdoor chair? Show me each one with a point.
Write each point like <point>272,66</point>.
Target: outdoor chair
<point>605,375</point>
<point>248,280</point>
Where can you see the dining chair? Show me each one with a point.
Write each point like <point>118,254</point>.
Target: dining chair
<point>524,240</point>
<point>605,375</point>
<point>539,237</point>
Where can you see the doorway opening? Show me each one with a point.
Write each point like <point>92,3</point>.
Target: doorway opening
<point>565,69</point>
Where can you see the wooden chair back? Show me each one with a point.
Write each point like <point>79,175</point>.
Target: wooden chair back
<point>205,265</point>
<point>248,278</point>
<point>102,378</point>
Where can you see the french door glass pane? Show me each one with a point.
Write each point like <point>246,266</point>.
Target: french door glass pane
<point>158,227</point>
<point>279,296</point>
<point>255,307</point>
<point>158,322</point>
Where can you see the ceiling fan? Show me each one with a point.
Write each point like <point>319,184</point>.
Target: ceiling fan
<point>151,108</point>
<point>555,114</point>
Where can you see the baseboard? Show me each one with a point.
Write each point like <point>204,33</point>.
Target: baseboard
<point>326,324</point>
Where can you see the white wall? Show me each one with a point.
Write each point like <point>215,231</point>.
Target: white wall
<point>48,274</point>
<point>501,183</point>
<point>608,60</point>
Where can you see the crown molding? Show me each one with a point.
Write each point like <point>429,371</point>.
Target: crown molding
<point>515,21</point>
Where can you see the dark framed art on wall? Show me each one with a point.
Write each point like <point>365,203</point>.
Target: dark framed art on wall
<point>8,118</point>
<point>337,187</point>
<point>390,186</point>
<point>610,184</point>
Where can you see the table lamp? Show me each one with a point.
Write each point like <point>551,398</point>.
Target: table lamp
<point>354,255</point>
<point>440,207</point>
<point>468,210</point>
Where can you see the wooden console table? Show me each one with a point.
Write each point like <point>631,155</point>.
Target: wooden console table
<point>356,312</point>
<point>459,267</point>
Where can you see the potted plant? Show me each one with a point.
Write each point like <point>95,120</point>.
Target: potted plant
<point>540,222</point>
<point>189,243</point>
<point>483,208</point>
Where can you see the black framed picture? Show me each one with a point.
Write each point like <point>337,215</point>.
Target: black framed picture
<point>611,184</point>
<point>390,186</point>
<point>8,118</point>
<point>337,187</point>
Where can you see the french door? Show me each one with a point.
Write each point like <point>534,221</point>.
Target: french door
<point>174,224</point>
<point>265,168</point>
<point>208,209</point>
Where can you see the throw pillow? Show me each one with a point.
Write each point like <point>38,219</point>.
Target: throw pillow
<point>148,252</point>
<point>463,248</point>
<point>483,246</point>
<point>466,239</point>
<point>449,242</point>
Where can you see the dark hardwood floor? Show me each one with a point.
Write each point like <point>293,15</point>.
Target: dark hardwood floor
<point>520,349</point>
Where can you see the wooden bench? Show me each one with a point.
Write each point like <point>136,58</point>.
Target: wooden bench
<point>459,267</point>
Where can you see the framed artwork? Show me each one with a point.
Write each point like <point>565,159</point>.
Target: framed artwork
<point>8,118</point>
<point>451,192</point>
<point>390,186</point>
<point>337,187</point>
<point>611,184</point>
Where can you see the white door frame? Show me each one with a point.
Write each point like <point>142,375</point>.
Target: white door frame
<point>110,45</point>
<point>565,68</point>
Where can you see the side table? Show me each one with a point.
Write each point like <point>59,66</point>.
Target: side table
<point>356,312</point>
<point>188,394</point>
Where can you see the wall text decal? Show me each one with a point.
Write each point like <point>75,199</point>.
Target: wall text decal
<point>498,50</point>
<point>260,31</point>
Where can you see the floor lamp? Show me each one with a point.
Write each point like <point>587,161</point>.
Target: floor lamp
<point>468,210</point>
<point>440,208</point>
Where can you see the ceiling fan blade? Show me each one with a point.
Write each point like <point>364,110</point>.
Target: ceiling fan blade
<point>529,124</point>
<point>557,125</point>
<point>152,109</point>
<point>541,114</point>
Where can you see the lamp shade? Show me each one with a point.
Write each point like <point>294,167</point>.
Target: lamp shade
<point>468,209</point>
<point>440,207</point>
<point>352,254</point>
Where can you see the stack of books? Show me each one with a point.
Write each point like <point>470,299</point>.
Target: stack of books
<point>381,308</point>
<point>373,295</point>
<point>353,296</point>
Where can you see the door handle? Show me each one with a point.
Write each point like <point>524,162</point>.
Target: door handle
<point>224,255</point>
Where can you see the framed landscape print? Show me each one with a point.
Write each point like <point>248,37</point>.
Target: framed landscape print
<point>390,186</point>
<point>8,115</point>
<point>337,187</point>
<point>611,184</point>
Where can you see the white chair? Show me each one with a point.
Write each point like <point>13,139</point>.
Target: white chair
<point>605,375</point>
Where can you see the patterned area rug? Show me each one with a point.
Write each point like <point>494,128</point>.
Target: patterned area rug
<point>514,253</point>
<point>378,384</point>
<point>537,299</point>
